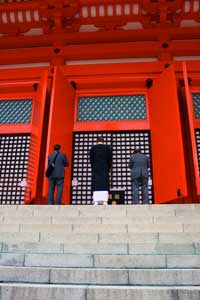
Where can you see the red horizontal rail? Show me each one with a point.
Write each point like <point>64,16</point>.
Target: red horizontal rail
<point>12,6</point>
<point>156,34</point>
<point>111,125</point>
<point>15,128</point>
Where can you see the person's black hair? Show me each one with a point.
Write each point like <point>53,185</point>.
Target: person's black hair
<point>56,147</point>
<point>100,139</point>
<point>137,150</point>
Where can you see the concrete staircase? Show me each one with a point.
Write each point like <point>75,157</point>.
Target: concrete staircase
<point>100,252</point>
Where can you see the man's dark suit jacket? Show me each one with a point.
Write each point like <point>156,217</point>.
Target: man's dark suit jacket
<point>60,164</point>
<point>139,164</point>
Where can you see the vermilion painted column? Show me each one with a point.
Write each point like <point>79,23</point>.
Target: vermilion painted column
<point>61,122</point>
<point>190,111</point>
<point>31,192</point>
<point>169,175</point>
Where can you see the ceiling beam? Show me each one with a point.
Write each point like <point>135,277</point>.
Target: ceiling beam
<point>112,36</point>
<point>100,51</point>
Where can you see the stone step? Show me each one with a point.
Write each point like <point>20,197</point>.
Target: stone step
<point>95,237</point>
<point>147,261</point>
<point>84,292</point>
<point>114,261</point>
<point>101,228</point>
<point>153,277</point>
<point>180,237</point>
<point>100,211</point>
<point>76,228</point>
<point>105,228</point>
<point>163,248</point>
<point>100,248</point>
<point>31,247</point>
<point>187,219</point>
<point>144,220</point>
<point>15,237</point>
<point>96,261</point>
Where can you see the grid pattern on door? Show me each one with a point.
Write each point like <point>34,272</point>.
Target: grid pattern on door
<point>122,144</point>
<point>14,151</point>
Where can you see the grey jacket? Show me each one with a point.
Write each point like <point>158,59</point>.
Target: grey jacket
<point>60,164</point>
<point>139,164</point>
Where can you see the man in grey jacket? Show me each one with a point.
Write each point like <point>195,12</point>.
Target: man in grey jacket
<point>56,178</point>
<point>139,164</point>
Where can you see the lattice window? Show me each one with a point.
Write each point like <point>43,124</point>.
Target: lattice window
<point>122,144</point>
<point>15,111</point>
<point>196,103</point>
<point>14,151</point>
<point>108,108</point>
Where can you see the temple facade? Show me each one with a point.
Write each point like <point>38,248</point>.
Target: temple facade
<point>71,70</point>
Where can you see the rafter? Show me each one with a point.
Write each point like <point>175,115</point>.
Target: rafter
<point>70,15</point>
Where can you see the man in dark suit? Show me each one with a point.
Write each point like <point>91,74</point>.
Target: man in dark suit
<point>101,161</point>
<point>56,178</point>
<point>139,164</point>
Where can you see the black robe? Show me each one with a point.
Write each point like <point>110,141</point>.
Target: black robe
<point>101,162</point>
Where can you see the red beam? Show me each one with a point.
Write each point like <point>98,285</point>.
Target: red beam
<point>33,74</point>
<point>100,51</point>
<point>118,70</point>
<point>185,48</point>
<point>13,42</point>
<point>114,125</point>
<point>17,6</point>
<point>15,128</point>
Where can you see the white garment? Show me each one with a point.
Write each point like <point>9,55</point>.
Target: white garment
<point>100,196</point>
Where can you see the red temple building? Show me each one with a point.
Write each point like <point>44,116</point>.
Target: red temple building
<point>73,69</point>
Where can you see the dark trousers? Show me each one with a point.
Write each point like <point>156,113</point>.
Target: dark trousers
<point>136,182</point>
<point>53,183</point>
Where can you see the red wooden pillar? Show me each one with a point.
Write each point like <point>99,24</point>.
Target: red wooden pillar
<point>193,163</point>
<point>61,122</point>
<point>169,175</point>
<point>34,180</point>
